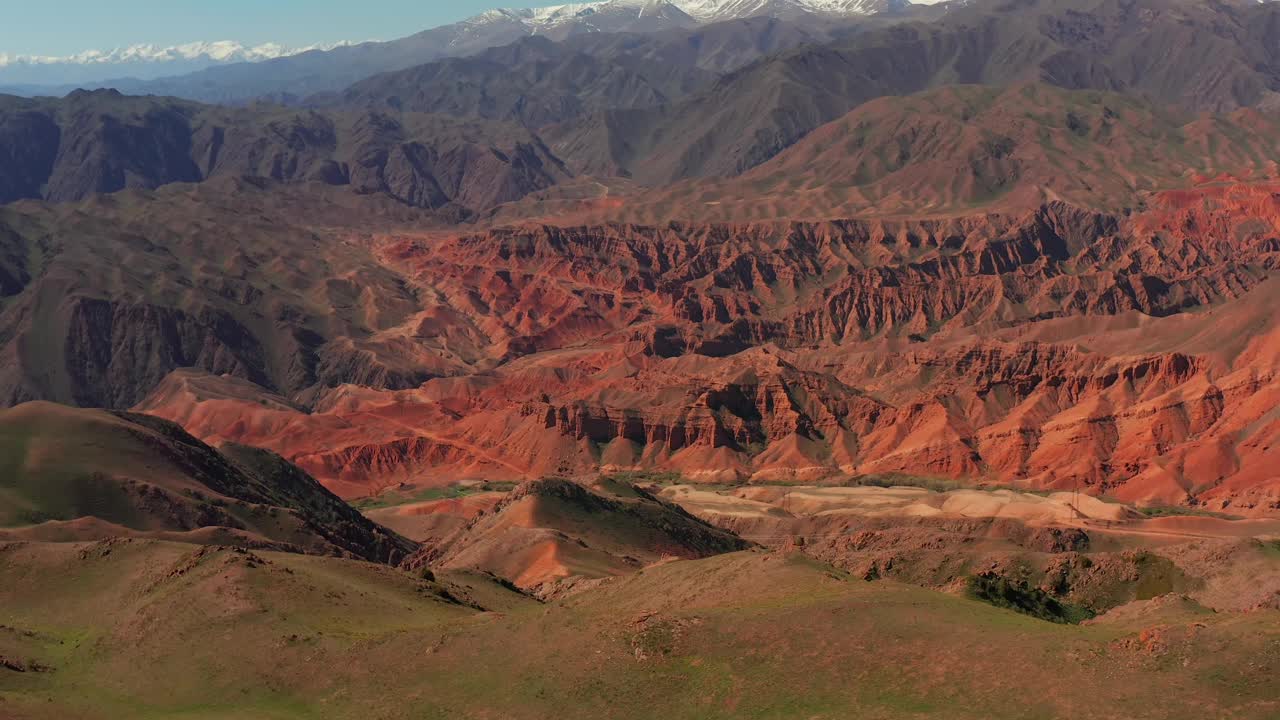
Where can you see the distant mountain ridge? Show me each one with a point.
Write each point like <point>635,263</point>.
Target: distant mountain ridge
<point>327,70</point>
<point>100,141</point>
<point>1187,55</point>
<point>141,61</point>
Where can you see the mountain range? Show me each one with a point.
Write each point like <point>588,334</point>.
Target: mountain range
<point>101,141</point>
<point>608,15</point>
<point>137,62</point>
<point>626,359</point>
<point>322,69</point>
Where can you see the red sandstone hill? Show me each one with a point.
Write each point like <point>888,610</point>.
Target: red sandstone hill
<point>548,534</point>
<point>1131,355</point>
<point>985,329</point>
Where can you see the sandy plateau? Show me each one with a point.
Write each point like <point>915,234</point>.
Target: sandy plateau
<point>781,507</point>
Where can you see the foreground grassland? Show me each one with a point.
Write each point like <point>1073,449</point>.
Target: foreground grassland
<point>144,629</point>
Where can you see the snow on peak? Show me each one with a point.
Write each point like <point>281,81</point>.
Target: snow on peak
<point>717,10</point>
<point>699,10</point>
<point>219,51</point>
<point>552,15</point>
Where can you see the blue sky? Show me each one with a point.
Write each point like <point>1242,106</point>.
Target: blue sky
<point>62,27</point>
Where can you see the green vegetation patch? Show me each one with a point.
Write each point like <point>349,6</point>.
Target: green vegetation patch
<point>1271,549</point>
<point>890,480</point>
<point>1019,596</point>
<point>1156,511</point>
<point>656,477</point>
<point>396,497</point>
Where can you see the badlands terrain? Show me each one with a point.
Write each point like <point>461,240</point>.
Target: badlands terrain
<point>790,359</point>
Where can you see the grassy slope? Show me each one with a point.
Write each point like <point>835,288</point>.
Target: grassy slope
<point>396,498</point>
<point>745,635</point>
<point>144,475</point>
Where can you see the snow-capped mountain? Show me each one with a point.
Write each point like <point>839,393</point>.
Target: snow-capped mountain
<point>721,10</point>
<point>600,16</point>
<point>217,72</point>
<point>139,61</point>
<point>638,15</point>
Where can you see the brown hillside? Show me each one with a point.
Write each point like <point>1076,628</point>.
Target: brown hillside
<point>548,534</point>
<point>72,474</point>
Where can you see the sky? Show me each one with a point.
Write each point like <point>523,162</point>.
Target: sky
<point>65,27</point>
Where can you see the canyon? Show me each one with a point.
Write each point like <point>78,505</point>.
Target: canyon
<point>1057,349</point>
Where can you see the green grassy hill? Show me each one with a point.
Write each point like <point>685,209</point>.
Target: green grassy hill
<point>144,629</point>
<point>68,474</point>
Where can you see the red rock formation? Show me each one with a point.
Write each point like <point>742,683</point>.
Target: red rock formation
<point>1131,355</point>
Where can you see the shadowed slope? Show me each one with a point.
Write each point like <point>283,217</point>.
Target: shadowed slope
<point>84,474</point>
<point>1182,53</point>
<point>961,148</point>
<point>101,142</point>
<point>537,82</point>
<point>268,283</point>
